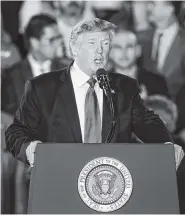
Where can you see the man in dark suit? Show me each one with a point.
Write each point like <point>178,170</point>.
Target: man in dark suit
<point>69,106</point>
<point>43,40</point>
<point>124,58</point>
<point>165,52</point>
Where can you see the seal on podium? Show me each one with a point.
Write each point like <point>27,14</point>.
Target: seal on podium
<point>105,184</point>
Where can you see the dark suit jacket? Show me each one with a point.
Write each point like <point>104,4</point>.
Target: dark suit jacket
<point>174,65</point>
<point>48,113</point>
<point>154,83</point>
<point>13,82</point>
<point>180,101</point>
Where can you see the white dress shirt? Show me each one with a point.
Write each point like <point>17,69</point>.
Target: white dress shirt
<point>166,41</point>
<point>80,85</point>
<point>38,69</point>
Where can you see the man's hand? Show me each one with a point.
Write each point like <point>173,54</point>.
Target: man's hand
<point>30,152</point>
<point>179,154</point>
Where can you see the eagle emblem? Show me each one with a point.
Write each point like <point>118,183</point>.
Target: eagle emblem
<point>104,184</point>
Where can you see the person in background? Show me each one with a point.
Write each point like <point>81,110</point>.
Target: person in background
<point>182,15</point>
<point>180,101</point>
<point>9,52</point>
<point>9,57</point>
<point>44,42</point>
<point>165,52</point>
<point>69,13</point>
<point>167,110</point>
<point>8,170</point>
<point>124,59</point>
<point>107,9</point>
<point>140,18</point>
<point>29,9</point>
<point>181,185</point>
<point>15,176</point>
<point>123,19</point>
<point>141,23</point>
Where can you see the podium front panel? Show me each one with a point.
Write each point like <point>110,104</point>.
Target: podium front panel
<point>54,179</point>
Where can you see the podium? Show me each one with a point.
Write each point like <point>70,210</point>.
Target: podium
<point>103,178</point>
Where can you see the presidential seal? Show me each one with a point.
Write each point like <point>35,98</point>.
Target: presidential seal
<point>105,184</point>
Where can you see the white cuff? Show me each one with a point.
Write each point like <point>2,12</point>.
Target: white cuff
<point>179,154</point>
<point>30,151</point>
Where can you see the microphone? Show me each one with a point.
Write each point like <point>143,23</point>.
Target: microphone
<point>104,83</point>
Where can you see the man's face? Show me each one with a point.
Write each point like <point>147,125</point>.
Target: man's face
<point>92,51</point>
<point>49,42</point>
<point>125,50</point>
<point>159,10</point>
<point>139,12</point>
<point>71,8</point>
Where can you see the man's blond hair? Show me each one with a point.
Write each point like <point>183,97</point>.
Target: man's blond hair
<point>93,25</point>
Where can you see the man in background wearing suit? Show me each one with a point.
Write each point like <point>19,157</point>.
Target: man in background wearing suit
<point>124,57</point>
<point>43,40</point>
<point>165,52</point>
<point>68,106</point>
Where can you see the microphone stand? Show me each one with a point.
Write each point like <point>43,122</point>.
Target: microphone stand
<point>107,89</point>
<point>113,121</point>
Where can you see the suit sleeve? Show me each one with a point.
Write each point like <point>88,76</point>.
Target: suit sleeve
<point>25,126</point>
<point>147,125</point>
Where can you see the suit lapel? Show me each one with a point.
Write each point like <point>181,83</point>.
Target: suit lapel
<point>172,55</point>
<point>66,92</point>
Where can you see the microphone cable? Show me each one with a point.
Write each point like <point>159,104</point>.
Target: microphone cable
<point>104,83</point>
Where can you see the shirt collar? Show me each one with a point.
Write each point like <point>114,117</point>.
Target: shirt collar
<point>79,77</point>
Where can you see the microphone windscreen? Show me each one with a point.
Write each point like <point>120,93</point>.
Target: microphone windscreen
<point>101,71</point>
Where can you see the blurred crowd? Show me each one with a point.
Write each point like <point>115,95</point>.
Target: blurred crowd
<point>149,46</point>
